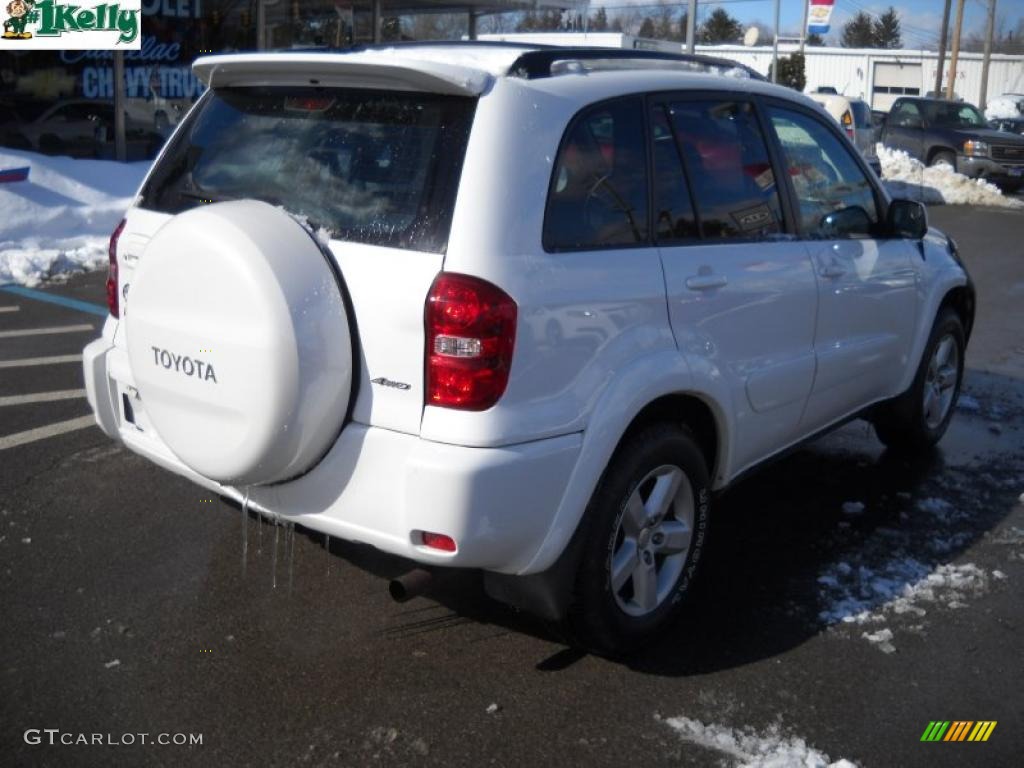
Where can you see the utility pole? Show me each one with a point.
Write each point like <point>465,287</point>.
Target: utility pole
<point>120,146</point>
<point>955,52</point>
<point>942,49</point>
<point>691,26</point>
<point>803,29</point>
<point>989,32</point>
<point>775,45</point>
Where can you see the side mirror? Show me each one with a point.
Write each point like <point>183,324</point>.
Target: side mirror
<point>846,222</point>
<point>907,218</point>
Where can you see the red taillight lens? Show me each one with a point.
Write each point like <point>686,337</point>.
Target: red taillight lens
<point>471,332</point>
<point>438,541</point>
<point>848,123</point>
<point>112,298</point>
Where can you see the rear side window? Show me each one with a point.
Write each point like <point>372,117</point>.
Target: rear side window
<point>727,159</point>
<point>861,114</point>
<point>598,195</point>
<point>376,167</point>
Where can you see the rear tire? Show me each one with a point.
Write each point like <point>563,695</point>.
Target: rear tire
<point>918,418</point>
<point>646,530</point>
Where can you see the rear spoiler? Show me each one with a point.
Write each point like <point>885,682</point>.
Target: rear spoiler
<point>364,69</point>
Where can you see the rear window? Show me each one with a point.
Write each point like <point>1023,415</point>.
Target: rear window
<point>374,167</point>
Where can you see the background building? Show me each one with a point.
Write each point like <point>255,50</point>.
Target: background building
<point>61,102</point>
<point>879,76</point>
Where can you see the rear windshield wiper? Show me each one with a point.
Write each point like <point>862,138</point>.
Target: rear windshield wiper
<point>205,197</point>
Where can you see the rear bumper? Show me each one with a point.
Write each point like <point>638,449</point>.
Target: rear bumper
<point>380,487</point>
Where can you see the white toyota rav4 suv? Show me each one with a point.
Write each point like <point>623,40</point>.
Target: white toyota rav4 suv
<point>516,309</point>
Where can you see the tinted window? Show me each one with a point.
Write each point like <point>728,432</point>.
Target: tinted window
<point>954,115</point>
<point>674,219</point>
<point>861,114</point>
<point>727,159</point>
<point>826,177</point>
<point>598,194</point>
<point>904,114</point>
<point>378,167</point>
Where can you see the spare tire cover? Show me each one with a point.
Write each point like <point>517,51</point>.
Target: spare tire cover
<point>239,342</point>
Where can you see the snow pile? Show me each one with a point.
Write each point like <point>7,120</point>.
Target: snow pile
<point>1006,106</point>
<point>882,638</point>
<point>60,220</point>
<point>941,510</point>
<point>864,595</point>
<point>748,748</point>
<point>906,177</point>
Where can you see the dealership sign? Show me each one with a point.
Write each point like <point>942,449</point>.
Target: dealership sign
<point>819,12</point>
<point>52,25</point>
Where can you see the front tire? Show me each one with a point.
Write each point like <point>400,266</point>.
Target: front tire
<point>943,157</point>
<point>918,419</point>
<point>646,530</point>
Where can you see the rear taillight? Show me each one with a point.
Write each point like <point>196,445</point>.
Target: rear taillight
<point>112,299</point>
<point>471,332</point>
<point>848,123</point>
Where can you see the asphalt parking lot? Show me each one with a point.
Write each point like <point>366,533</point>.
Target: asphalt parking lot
<point>127,609</point>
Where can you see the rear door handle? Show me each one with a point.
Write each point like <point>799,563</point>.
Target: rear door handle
<point>705,282</point>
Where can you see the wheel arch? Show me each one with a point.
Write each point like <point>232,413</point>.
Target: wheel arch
<point>544,586</point>
<point>687,408</point>
<point>952,289</point>
<point>663,387</point>
<point>961,300</point>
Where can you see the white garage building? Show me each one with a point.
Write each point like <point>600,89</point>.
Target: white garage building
<point>875,75</point>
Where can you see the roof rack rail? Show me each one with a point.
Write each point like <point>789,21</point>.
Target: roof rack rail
<point>536,64</point>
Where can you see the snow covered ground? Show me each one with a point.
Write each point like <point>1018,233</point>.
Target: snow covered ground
<point>60,220</point>
<point>908,178</point>
<point>748,748</point>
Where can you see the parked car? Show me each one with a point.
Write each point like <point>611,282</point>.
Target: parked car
<point>855,118</point>
<point>1008,106</point>
<point>955,133</point>
<point>74,127</point>
<point>158,114</point>
<point>530,343</point>
<point>1009,124</point>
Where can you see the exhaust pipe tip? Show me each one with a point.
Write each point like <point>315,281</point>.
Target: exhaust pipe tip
<point>409,585</point>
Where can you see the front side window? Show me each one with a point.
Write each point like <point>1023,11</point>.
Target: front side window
<point>734,187</point>
<point>835,197</point>
<point>598,195</point>
<point>377,167</point>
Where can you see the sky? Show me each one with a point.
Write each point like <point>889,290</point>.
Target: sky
<point>920,19</point>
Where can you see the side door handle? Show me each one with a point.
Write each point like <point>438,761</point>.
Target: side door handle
<point>705,282</point>
<point>832,270</point>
